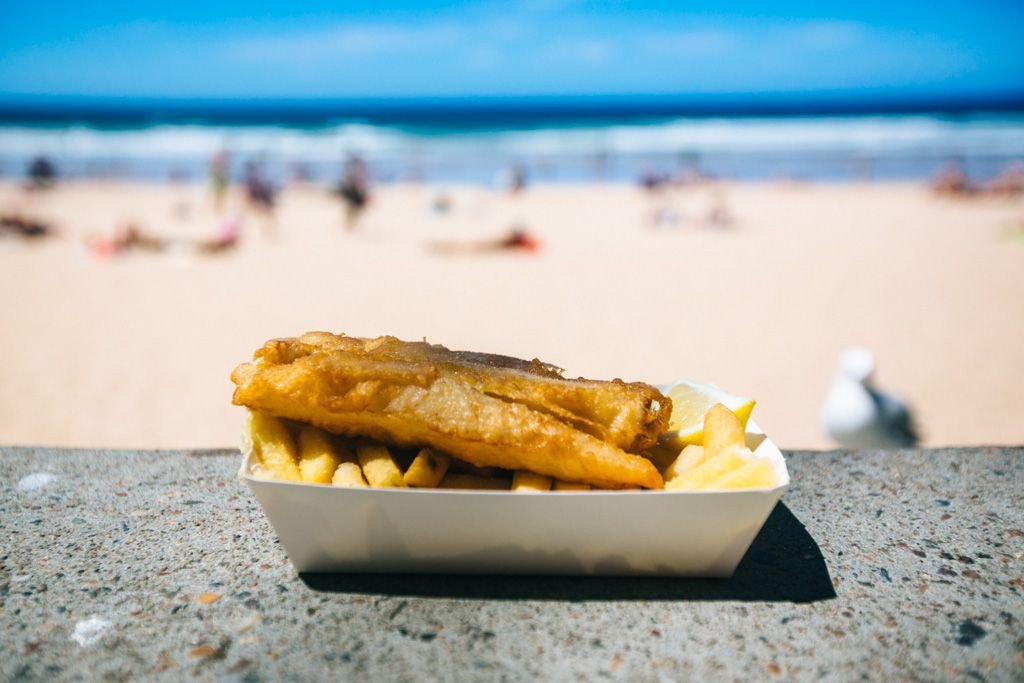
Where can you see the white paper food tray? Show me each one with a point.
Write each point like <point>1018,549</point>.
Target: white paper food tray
<point>379,530</point>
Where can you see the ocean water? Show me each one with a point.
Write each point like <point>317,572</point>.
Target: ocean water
<point>566,147</point>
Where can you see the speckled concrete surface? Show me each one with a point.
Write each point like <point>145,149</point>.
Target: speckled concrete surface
<point>119,565</point>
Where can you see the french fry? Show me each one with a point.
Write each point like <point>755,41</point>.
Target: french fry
<point>379,467</point>
<point>317,458</point>
<point>427,469</point>
<point>348,474</point>
<point>274,446</point>
<point>722,431</point>
<point>524,480</point>
<point>691,457</point>
<point>473,481</point>
<point>711,470</point>
<point>562,485</point>
<point>756,474</point>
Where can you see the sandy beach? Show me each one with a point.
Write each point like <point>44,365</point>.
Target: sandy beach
<point>135,350</point>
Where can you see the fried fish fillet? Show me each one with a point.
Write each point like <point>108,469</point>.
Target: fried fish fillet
<point>489,410</point>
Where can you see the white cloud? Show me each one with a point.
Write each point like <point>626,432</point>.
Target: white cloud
<point>541,6</point>
<point>817,35</point>
<point>344,40</point>
<point>587,50</point>
<point>712,41</point>
<point>482,58</point>
<point>694,42</point>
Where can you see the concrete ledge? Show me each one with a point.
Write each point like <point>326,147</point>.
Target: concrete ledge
<point>886,565</point>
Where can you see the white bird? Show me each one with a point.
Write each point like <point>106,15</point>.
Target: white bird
<point>856,415</point>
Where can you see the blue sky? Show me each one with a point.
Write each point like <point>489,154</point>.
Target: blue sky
<point>534,47</point>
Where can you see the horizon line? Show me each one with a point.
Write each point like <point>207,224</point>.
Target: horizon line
<point>62,108</point>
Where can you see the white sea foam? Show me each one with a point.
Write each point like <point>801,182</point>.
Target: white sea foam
<point>849,134</point>
<point>190,141</point>
<point>161,147</point>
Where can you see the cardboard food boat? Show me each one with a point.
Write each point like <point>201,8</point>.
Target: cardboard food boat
<point>391,530</point>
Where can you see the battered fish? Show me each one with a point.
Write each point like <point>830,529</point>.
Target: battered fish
<point>489,410</point>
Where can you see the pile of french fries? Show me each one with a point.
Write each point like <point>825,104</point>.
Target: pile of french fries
<point>303,453</point>
<point>290,451</point>
<point>723,462</point>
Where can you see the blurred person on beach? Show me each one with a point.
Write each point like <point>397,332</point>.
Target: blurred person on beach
<point>219,165</point>
<point>517,239</point>
<point>656,183</point>
<point>653,180</point>
<point>1008,184</point>
<point>42,174</point>
<point>128,237</point>
<point>719,215</point>
<point>442,203</point>
<point>952,181</point>
<point>132,236</point>
<point>258,190</point>
<point>20,226</point>
<point>354,189</point>
<point>512,178</point>
<point>227,238</point>
<point>518,178</point>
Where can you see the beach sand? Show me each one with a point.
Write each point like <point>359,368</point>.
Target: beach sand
<point>135,351</point>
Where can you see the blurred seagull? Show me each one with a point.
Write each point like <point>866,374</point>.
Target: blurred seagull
<point>856,415</point>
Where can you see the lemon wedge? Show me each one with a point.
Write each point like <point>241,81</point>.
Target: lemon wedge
<point>691,401</point>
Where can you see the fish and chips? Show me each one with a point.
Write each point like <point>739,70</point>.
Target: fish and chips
<point>348,411</point>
